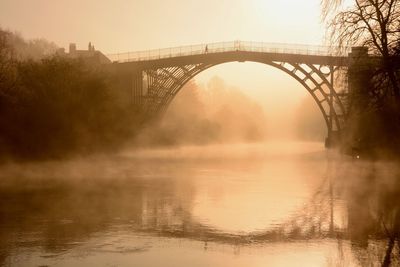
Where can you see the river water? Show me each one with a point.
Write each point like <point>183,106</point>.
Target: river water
<point>281,204</point>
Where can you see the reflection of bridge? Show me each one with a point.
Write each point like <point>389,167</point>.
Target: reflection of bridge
<point>314,220</point>
<point>155,77</point>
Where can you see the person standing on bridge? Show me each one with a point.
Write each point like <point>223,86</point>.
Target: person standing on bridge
<point>206,49</point>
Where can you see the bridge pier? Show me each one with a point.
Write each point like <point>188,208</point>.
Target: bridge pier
<point>360,71</point>
<point>333,140</point>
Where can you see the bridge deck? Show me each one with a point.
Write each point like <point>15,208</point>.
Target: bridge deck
<point>299,53</point>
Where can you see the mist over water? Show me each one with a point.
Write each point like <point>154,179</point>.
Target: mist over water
<point>226,205</point>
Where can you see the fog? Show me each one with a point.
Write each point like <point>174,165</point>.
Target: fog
<point>218,201</point>
<point>235,172</point>
<point>214,114</point>
<point>217,112</point>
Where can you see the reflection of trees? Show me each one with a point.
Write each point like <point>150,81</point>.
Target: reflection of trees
<point>56,216</point>
<point>373,194</point>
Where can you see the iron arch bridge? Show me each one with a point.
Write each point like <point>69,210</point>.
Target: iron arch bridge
<point>155,77</point>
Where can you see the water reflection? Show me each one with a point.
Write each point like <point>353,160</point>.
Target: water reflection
<point>313,206</point>
<point>372,192</point>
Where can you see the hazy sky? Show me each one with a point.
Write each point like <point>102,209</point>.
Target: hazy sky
<point>123,25</point>
<point>130,25</point>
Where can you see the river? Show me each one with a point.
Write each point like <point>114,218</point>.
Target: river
<point>280,204</point>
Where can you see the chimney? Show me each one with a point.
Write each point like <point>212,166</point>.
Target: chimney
<point>72,48</point>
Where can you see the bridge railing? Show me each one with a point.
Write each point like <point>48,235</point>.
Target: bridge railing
<point>221,47</point>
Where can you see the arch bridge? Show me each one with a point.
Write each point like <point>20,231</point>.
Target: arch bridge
<point>155,77</point>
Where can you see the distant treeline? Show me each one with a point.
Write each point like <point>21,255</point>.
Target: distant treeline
<point>215,113</point>
<point>220,113</point>
<point>53,107</point>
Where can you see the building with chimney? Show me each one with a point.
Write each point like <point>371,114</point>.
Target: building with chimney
<point>91,55</point>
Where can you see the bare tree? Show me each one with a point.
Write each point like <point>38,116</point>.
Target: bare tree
<point>371,23</point>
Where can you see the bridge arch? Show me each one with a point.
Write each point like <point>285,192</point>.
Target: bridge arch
<point>163,84</point>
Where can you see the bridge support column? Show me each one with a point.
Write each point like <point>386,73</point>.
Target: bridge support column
<point>334,137</point>
<point>333,140</point>
<point>137,88</point>
<point>359,82</point>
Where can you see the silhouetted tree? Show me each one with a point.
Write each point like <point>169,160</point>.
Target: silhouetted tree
<point>371,23</point>
<point>374,24</point>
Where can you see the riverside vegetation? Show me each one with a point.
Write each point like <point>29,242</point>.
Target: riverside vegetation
<point>52,107</point>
